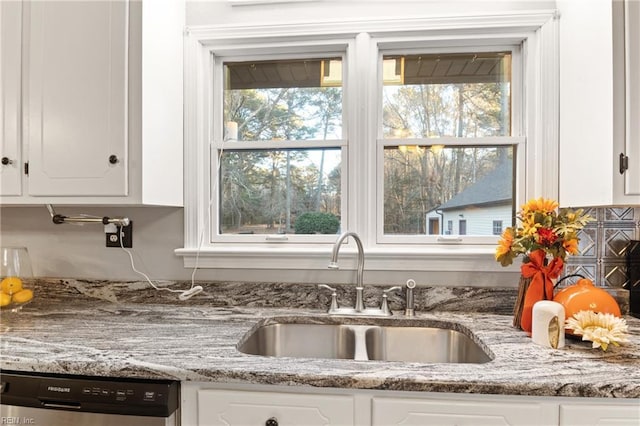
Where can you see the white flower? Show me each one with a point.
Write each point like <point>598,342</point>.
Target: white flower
<point>599,328</point>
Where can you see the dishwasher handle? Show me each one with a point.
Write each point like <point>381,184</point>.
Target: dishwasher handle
<point>60,404</point>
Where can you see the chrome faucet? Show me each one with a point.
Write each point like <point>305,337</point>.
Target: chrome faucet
<point>333,264</point>
<point>359,308</point>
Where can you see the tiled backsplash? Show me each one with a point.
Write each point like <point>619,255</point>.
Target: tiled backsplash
<point>603,243</point>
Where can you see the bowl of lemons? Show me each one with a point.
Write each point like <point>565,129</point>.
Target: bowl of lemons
<point>16,275</point>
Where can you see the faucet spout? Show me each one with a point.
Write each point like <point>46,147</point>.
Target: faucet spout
<point>333,264</point>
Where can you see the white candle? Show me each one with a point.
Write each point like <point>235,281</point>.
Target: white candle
<point>231,129</point>
<point>547,328</point>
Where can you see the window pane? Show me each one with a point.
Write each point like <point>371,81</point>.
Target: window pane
<point>269,191</point>
<point>437,190</point>
<point>456,95</point>
<point>283,100</point>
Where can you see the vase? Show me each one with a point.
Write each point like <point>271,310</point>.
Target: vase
<point>523,286</point>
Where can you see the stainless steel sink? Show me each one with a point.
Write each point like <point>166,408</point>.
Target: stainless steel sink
<point>302,341</point>
<point>362,342</point>
<point>422,344</point>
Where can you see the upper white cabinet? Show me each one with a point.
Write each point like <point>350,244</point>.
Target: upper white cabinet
<point>632,98</point>
<point>76,103</point>
<point>598,102</point>
<point>99,116</point>
<point>10,96</point>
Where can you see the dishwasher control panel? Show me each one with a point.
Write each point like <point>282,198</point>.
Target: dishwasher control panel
<point>91,394</point>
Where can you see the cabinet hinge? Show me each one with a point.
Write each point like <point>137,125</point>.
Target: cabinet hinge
<point>26,168</point>
<point>624,163</point>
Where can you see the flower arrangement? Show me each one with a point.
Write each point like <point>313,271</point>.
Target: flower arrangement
<point>542,228</point>
<point>600,328</point>
<point>545,236</point>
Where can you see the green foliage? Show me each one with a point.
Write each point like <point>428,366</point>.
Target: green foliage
<point>317,223</point>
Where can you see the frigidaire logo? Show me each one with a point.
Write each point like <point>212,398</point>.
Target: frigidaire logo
<point>58,389</point>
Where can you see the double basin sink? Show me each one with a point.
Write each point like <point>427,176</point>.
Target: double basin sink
<point>426,343</point>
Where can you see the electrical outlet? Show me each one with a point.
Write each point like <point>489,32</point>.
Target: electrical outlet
<point>113,238</point>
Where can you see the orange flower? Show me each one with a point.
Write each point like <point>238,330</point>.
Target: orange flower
<point>541,205</point>
<point>571,246</point>
<point>505,243</point>
<point>546,237</point>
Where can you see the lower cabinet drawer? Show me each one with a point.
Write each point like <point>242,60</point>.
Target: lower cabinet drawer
<point>240,408</point>
<point>610,414</point>
<point>462,412</point>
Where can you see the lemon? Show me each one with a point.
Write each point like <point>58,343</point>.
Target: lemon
<point>11,285</point>
<point>23,296</point>
<point>5,299</point>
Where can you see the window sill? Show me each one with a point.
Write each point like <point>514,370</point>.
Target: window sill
<point>445,259</point>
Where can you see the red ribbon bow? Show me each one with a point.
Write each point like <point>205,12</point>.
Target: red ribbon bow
<point>541,286</point>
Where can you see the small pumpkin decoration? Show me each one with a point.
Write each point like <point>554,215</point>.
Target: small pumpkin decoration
<point>584,296</point>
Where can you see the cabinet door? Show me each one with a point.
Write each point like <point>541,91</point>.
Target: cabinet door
<point>76,89</point>
<point>609,414</point>
<point>221,407</point>
<point>462,412</point>
<point>632,71</point>
<point>10,98</point>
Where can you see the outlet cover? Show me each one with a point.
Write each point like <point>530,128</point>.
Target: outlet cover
<point>113,238</point>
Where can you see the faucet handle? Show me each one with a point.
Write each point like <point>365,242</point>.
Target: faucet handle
<point>334,297</point>
<point>384,307</point>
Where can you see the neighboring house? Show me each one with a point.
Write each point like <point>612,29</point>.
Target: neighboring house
<point>484,208</point>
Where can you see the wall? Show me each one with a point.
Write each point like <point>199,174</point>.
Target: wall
<point>221,12</point>
<point>603,244</point>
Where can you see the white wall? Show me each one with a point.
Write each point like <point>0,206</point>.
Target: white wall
<point>221,12</point>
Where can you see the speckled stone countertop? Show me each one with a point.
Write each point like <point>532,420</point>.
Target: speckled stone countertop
<point>126,330</point>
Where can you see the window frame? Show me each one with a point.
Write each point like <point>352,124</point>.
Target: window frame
<point>517,140</point>
<point>537,32</point>
<point>218,144</point>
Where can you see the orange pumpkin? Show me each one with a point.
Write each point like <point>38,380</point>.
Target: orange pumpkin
<point>584,296</point>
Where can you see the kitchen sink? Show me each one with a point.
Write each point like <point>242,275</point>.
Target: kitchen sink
<point>363,342</point>
<point>422,344</point>
<point>302,341</point>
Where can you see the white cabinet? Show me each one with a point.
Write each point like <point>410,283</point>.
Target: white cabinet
<point>631,14</point>
<point>610,414</point>
<point>593,94</point>
<point>76,103</point>
<point>209,404</point>
<point>229,407</point>
<point>99,113</point>
<point>467,411</point>
<point>10,96</point>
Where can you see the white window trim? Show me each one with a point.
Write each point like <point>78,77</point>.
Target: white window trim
<point>539,36</point>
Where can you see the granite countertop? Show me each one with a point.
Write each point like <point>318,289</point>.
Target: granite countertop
<point>124,330</point>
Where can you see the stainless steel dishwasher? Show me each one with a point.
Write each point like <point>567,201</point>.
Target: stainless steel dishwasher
<point>60,400</point>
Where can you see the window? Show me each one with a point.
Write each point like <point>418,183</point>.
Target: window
<point>415,137</point>
<point>446,123</point>
<point>497,227</point>
<point>280,162</point>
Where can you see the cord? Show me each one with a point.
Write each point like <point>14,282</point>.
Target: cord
<point>213,183</point>
<point>194,289</point>
<point>184,294</point>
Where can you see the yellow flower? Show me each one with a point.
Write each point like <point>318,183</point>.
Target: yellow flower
<point>600,328</point>
<point>505,243</point>
<point>571,246</point>
<point>540,205</point>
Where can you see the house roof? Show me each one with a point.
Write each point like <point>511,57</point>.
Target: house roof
<point>494,188</point>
